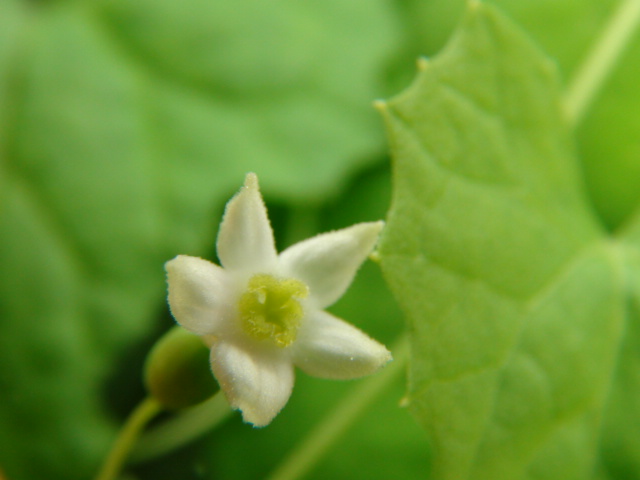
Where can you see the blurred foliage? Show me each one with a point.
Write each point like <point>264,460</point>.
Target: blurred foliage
<point>125,125</point>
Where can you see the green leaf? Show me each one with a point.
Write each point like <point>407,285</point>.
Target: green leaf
<point>281,88</point>
<point>82,268</point>
<point>545,20</point>
<point>514,293</point>
<point>123,126</point>
<point>620,441</point>
<point>606,139</point>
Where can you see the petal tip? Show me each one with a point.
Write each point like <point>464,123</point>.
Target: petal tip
<point>255,420</point>
<point>380,359</point>
<point>251,181</point>
<point>245,238</point>
<point>256,415</point>
<point>175,262</point>
<point>373,228</point>
<point>377,226</point>
<point>387,358</point>
<point>186,264</point>
<point>369,233</point>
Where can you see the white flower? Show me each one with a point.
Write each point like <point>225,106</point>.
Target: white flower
<point>263,313</point>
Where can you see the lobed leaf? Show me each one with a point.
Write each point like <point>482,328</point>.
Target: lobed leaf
<point>514,293</point>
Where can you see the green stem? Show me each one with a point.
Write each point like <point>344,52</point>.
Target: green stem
<point>307,453</point>
<point>602,59</point>
<point>143,413</point>
<point>182,429</point>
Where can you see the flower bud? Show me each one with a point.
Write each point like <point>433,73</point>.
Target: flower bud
<point>177,371</point>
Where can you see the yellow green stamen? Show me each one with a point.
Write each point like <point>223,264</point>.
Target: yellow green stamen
<point>270,308</point>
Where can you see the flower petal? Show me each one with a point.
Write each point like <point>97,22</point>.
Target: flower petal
<point>245,239</point>
<point>327,263</point>
<point>198,295</point>
<point>256,381</point>
<point>328,347</point>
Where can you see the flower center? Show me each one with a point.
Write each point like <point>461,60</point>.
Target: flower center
<point>270,308</point>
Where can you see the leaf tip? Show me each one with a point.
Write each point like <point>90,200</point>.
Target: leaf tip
<point>422,64</point>
<point>473,5</point>
<point>380,105</point>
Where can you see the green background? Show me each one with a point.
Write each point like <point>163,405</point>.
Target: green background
<point>125,126</point>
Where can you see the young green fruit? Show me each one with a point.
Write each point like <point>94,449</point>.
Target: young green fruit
<point>177,371</point>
